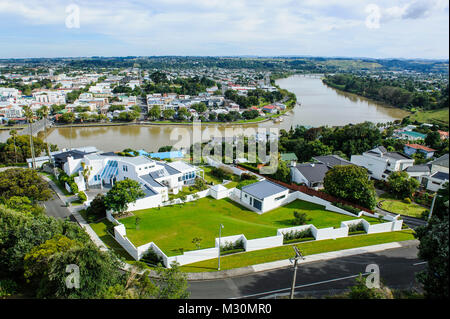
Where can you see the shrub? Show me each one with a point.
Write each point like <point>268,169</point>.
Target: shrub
<point>82,197</point>
<point>245,176</point>
<point>356,228</point>
<point>221,173</point>
<point>407,200</point>
<point>97,208</point>
<point>300,218</point>
<point>245,183</point>
<point>151,257</point>
<point>297,235</point>
<point>73,187</point>
<point>230,246</point>
<point>348,208</point>
<point>7,288</point>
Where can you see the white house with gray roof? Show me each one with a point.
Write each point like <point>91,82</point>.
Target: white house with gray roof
<point>263,196</point>
<point>380,163</point>
<point>312,174</point>
<point>156,178</point>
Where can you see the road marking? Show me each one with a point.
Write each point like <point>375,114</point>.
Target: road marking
<point>300,286</point>
<point>421,263</point>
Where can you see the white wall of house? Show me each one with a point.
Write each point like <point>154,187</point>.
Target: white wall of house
<point>267,203</point>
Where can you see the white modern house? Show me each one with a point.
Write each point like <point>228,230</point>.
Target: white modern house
<point>380,163</point>
<point>156,178</point>
<point>439,174</point>
<point>263,196</point>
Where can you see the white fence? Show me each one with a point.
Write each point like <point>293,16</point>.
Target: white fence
<point>393,224</point>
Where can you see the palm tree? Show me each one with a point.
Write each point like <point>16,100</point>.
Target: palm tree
<point>29,116</point>
<point>45,111</point>
<point>13,133</point>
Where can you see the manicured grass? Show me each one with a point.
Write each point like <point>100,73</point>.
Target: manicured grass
<point>186,191</point>
<point>402,208</point>
<point>396,206</point>
<point>307,248</point>
<point>173,227</point>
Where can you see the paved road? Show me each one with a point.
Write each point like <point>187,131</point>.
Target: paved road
<point>56,208</point>
<point>397,269</point>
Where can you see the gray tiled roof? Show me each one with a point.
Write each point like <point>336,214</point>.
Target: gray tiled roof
<point>263,189</point>
<point>418,168</point>
<point>332,160</point>
<point>440,175</point>
<point>441,161</point>
<point>149,179</point>
<point>313,172</point>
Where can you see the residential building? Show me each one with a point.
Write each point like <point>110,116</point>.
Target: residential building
<point>411,149</point>
<point>263,196</point>
<point>380,163</point>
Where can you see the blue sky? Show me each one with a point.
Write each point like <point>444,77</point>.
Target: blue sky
<point>372,28</point>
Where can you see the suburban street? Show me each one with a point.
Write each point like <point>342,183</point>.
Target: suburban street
<point>56,208</point>
<point>317,279</point>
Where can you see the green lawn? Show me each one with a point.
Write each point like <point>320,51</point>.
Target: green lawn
<point>174,227</point>
<point>402,208</point>
<point>100,229</point>
<point>440,115</point>
<point>397,206</point>
<point>307,248</point>
<point>210,178</point>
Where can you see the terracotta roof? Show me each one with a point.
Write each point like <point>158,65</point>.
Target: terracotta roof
<point>420,147</point>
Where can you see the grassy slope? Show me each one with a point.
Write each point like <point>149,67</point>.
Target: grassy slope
<point>441,115</point>
<point>174,227</point>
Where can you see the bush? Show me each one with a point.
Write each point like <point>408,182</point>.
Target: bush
<point>230,246</point>
<point>245,183</point>
<point>356,228</point>
<point>221,173</point>
<point>298,235</point>
<point>152,258</point>
<point>245,176</point>
<point>73,187</point>
<point>348,208</point>
<point>7,288</point>
<point>407,200</point>
<point>97,208</point>
<point>300,218</point>
<point>82,197</point>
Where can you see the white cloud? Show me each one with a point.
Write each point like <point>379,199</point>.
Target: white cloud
<point>221,27</point>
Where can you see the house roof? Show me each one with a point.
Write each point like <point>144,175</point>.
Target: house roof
<point>420,147</point>
<point>313,172</point>
<point>150,180</point>
<point>263,189</point>
<point>418,169</point>
<point>414,134</point>
<point>440,175</point>
<point>332,160</point>
<point>288,157</point>
<point>441,161</point>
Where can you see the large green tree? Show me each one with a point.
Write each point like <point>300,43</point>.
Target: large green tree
<point>23,182</point>
<point>121,194</point>
<point>351,183</point>
<point>433,248</point>
<point>401,185</point>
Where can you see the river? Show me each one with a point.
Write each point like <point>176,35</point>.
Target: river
<point>320,105</point>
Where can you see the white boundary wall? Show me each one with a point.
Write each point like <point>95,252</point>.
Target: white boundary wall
<point>393,224</point>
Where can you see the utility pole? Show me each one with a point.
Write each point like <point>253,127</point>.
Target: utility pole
<point>220,233</point>
<point>298,255</point>
<point>432,207</point>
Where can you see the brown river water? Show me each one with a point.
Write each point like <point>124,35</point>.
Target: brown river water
<point>319,105</point>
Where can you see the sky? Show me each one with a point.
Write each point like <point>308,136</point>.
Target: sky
<point>345,28</point>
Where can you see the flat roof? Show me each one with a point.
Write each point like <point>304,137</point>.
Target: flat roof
<point>263,189</point>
